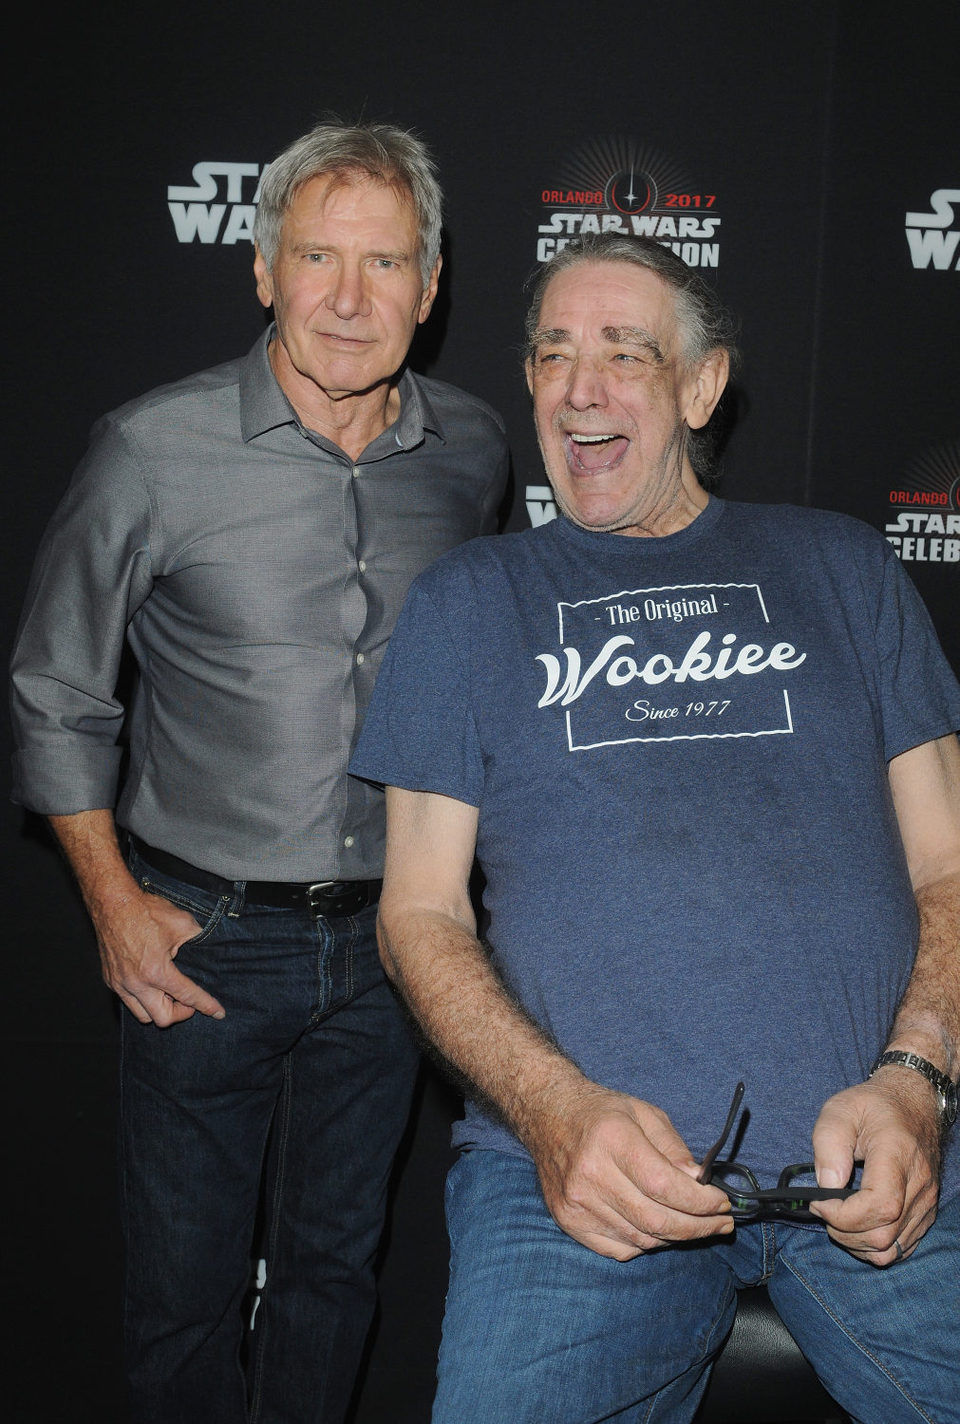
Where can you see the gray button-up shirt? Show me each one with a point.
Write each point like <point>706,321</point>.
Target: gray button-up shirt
<point>256,573</point>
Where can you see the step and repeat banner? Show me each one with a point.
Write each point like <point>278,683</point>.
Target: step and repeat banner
<point>804,159</point>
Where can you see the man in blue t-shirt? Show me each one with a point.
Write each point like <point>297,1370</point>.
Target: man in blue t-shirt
<point>705,754</point>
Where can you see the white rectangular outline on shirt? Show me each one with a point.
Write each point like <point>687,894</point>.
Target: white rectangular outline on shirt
<point>685,736</point>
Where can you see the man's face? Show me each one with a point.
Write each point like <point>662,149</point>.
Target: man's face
<point>346,287</point>
<point>612,399</point>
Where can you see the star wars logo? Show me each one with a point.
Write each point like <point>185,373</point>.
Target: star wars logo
<point>219,208</point>
<point>924,526</point>
<point>614,185</point>
<point>933,237</point>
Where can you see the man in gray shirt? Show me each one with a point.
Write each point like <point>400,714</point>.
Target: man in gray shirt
<point>251,532</point>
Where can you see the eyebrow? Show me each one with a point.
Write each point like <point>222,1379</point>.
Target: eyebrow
<point>614,335</point>
<point>634,336</point>
<point>308,245</point>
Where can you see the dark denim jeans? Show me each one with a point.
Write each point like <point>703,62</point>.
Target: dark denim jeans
<point>304,1087</point>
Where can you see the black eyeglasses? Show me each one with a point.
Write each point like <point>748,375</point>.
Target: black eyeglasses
<point>747,1198</point>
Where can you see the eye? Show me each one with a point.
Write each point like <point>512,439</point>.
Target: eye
<point>635,361</point>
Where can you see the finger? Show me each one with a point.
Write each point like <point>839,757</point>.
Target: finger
<point>656,1180</point>
<point>167,1012</point>
<point>875,1257</point>
<point>609,1230</point>
<point>141,1014</point>
<point>615,1247</point>
<point>834,1146</point>
<point>669,1174</point>
<point>185,991</point>
<point>169,999</point>
<point>652,1213</point>
<point>888,1244</point>
<point>871,1208</point>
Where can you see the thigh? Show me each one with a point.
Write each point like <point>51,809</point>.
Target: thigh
<point>197,1099</point>
<point>344,1106</point>
<point>881,1340</point>
<point>348,1084</point>
<point>539,1327</point>
<point>196,1104</point>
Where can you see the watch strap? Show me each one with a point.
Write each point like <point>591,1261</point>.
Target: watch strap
<point>944,1087</point>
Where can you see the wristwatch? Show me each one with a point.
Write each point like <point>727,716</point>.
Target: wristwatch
<point>945,1088</point>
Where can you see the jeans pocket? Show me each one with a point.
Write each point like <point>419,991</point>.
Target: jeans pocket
<point>207,910</point>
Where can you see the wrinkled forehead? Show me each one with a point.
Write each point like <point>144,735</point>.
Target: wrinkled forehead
<point>598,296</point>
<point>379,192</point>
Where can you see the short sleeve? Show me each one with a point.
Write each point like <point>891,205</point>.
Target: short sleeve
<point>420,732</point>
<point>920,697</point>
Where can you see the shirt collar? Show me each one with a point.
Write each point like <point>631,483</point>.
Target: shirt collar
<point>263,405</point>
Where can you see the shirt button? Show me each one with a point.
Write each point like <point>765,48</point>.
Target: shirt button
<point>356,472</point>
<point>359,657</point>
<point>348,840</point>
<point>362,566</point>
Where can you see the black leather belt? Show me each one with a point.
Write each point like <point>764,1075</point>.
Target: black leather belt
<point>322,898</point>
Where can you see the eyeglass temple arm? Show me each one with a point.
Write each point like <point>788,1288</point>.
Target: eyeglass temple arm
<point>708,1161</point>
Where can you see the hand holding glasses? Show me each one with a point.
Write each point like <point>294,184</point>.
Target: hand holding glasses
<point>749,1201</point>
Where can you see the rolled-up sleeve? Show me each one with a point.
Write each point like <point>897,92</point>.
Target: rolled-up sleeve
<point>92,572</point>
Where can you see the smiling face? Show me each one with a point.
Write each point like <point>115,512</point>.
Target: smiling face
<point>346,290</point>
<point>613,399</point>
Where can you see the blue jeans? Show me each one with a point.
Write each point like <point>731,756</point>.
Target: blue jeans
<point>301,1092</point>
<point>539,1328</point>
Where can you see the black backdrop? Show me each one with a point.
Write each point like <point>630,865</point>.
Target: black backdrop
<point>823,138</point>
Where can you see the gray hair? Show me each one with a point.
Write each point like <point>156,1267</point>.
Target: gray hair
<point>705,323</point>
<point>386,154</point>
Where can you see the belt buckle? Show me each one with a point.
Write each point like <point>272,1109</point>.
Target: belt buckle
<point>347,902</point>
<point>315,893</point>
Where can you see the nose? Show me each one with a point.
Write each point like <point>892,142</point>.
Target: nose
<point>347,296</point>
<point>585,385</point>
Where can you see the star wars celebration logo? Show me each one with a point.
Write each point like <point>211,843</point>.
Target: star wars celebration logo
<point>934,237</point>
<point>219,205</point>
<point>618,185</point>
<point>924,523</point>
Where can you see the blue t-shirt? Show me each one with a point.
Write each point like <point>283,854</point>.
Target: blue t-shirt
<point>679,747</point>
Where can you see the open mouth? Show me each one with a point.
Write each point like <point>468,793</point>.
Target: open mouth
<point>590,454</point>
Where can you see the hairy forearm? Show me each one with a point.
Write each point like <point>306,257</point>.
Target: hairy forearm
<point>446,978</point>
<point>89,841</point>
<point>928,1019</point>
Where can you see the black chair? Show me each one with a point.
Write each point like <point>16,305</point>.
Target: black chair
<point>761,1377</point>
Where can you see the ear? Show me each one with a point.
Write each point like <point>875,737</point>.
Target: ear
<point>709,383</point>
<point>264,280</point>
<point>430,292</point>
<point>528,372</point>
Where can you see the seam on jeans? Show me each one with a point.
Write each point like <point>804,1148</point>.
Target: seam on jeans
<point>706,1361</point>
<point>326,940</point>
<point>857,1343</point>
<point>348,960</point>
<point>282,1127</point>
<point>768,1235</point>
